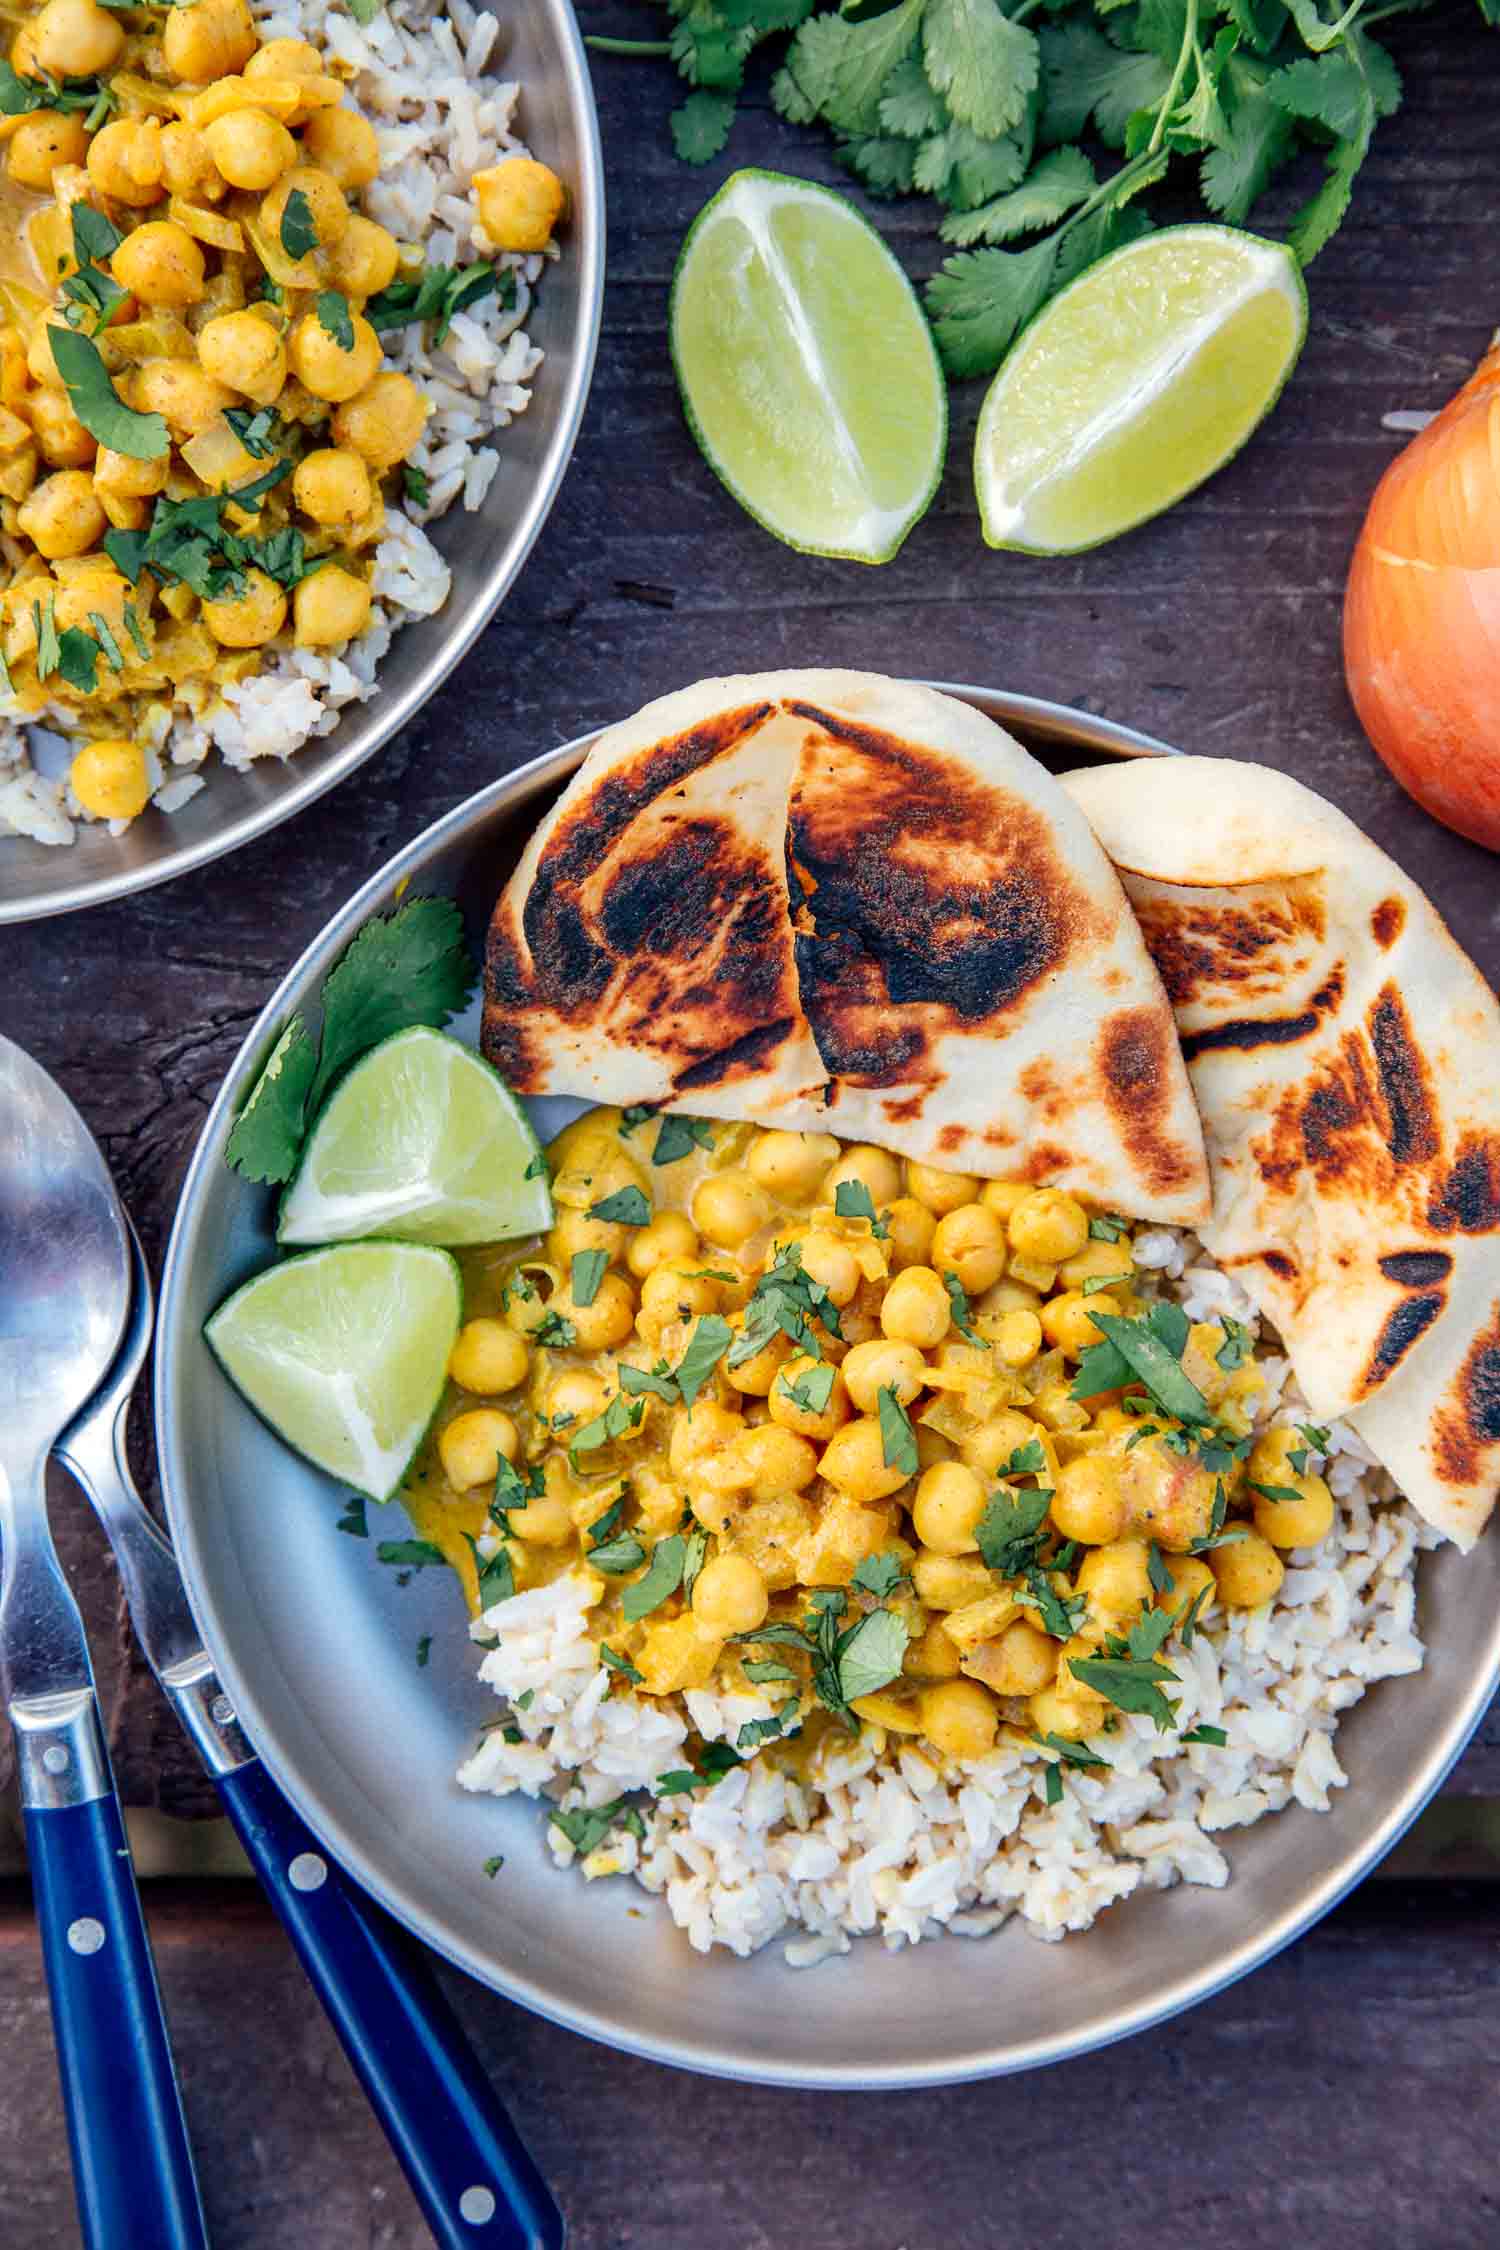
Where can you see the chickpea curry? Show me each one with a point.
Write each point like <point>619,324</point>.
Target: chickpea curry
<point>198,430</point>
<point>886,1443</point>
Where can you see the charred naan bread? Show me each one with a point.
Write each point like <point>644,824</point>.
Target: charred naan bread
<point>829,899</point>
<point>1346,1059</point>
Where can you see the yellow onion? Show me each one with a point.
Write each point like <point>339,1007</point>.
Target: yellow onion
<point>1422,612</point>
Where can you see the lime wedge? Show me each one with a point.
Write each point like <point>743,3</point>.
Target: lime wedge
<point>422,1142</point>
<point>1137,382</point>
<point>345,1353</point>
<point>808,374</point>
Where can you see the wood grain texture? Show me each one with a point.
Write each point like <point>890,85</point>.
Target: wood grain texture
<point>1216,627</point>
<point>1331,2100</point>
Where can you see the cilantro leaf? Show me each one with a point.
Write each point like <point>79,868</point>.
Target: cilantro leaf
<point>962,170</point>
<point>615,1420</point>
<point>853,1200</point>
<point>1212,1735</point>
<point>617,1557</point>
<point>898,1440</point>
<point>409,1554</point>
<point>657,1380</point>
<point>984,65</point>
<point>1129,1683</point>
<point>1236,1347</point>
<point>617,1663</point>
<point>1105,1227</point>
<point>838,68</point>
<point>870,1654</point>
<point>909,104</point>
<point>354,1519</point>
<point>958,1302</point>
<point>415,485</point>
<point>1087,79</point>
<point>879,1575</point>
<point>979,301</point>
<point>334,318</point>
<point>1056,182</point>
<point>586,1830</point>
<point>706,1346</point>
<point>627,1207</point>
<point>553,1332</point>
<point>662,1579</point>
<point>764,1669</point>
<point>255,427</point>
<point>700,125</point>
<point>1256,141</point>
<point>99,406</point>
<point>299,232</point>
<point>677,1137</point>
<point>495,1578</point>
<point>886,165</point>
<point>811,1390</point>
<point>756,1731</point>
<point>786,1300</point>
<point>267,1133</point>
<point>588,1270</point>
<point>1009,1533</point>
<point>1146,1350</point>
<point>401,969</point>
<point>1070,1752</point>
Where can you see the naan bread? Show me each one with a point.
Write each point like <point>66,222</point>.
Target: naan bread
<point>829,899</point>
<point>1346,1059</point>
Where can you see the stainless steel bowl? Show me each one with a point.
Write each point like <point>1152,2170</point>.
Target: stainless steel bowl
<point>317,1644</point>
<point>542,48</point>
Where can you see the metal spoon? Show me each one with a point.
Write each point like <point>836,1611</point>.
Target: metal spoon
<point>472,2177</point>
<point>65,1285</point>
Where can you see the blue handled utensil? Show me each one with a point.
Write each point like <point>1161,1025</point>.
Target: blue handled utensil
<point>65,1284</point>
<point>477,2187</point>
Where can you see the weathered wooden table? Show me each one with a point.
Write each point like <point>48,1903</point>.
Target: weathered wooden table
<point>1345,2094</point>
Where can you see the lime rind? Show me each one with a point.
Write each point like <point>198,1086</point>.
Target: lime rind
<point>343,1353</point>
<point>1269,270</point>
<point>420,1142</point>
<point>748,196</point>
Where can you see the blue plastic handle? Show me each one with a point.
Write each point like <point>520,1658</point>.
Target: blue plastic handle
<point>132,2167</point>
<point>468,2170</point>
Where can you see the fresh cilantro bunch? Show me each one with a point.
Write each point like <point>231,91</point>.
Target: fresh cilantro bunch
<point>1039,124</point>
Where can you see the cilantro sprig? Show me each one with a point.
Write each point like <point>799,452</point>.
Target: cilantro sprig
<point>410,967</point>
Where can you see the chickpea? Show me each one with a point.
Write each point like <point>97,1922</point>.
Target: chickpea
<point>250,149</point>
<point>576,1396</point>
<point>62,516</point>
<point>1088,1504</point>
<point>325,202</point>
<point>915,1309</point>
<point>881,1365</point>
<point>608,1320</point>
<point>543,1522</point>
<point>1019,1661</point>
<point>1248,1573</point>
<point>970,1242</point>
<point>1017,1338</point>
<point>244,353</point>
<point>1047,1226</point>
<point>344,144</point>
<point>1169,1496</point>
<point>1190,1576</point>
<point>770,1461</point>
<point>755,1375</point>
<point>949,1582</point>
<point>488,1356</point>
<point>1095,1260</point>
<point>728,1207</point>
<point>186,165</point>
<point>572,1230</point>
<point>949,1503</point>
<point>161,264</point>
<point>211,39</point>
<point>328,368</point>
<point>1068,1320</point>
<point>1301,1522</point>
<point>854,1460</point>
<point>1270,1459</point>
<point>912,1227</point>
<point>1002,1196</point>
<point>250,619</point>
<point>472,1446</point>
<point>285,58</point>
<point>41,365</point>
<point>64,441</point>
<point>866,1166</point>
<point>43,141</point>
<point>109,779</point>
<point>95,586</point>
<point>520,203</point>
<point>677,1289</point>
<point>76,39</point>
<point>364,259</point>
<point>385,422</point>
<point>1116,1579</point>
<point>789,1415</point>
<point>932,1654</point>
<point>187,398</point>
<point>1065,1710</point>
<point>125,160</point>
<point>790,1165</point>
<point>730,1596</point>
<point>670,1234</point>
<point>959,1718</point>
<point>123,477</point>
<point>988,1449</point>
<point>330,606</point>
<point>937,1191</point>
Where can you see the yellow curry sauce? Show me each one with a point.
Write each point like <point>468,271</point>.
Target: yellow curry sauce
<point>788,1478</point>
<point>192,308</point>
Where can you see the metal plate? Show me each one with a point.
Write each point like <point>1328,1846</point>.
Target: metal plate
<point>540,46</point>
<point>317,1643</point>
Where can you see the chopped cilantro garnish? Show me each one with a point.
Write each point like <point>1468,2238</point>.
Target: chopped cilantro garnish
<point>424,1650</point>
<point>898,1440</point>
<point>662,1579</point>
<point>1213,1735</point>
<point>627,1207</point>
<point>879,1575</point>
<point>353,1519</point>
<point>493,1864</point>
<point>706,1346</point>
<point>588,1270</point>
<point>958,1301</point>
<point>811,1390</point>
<point>409,1554</point>
<point>679,1136</point>
<point>1105,1227</point>
<point>618,1663</point>
<point>853,1200</point>
<point>1237,1344</point>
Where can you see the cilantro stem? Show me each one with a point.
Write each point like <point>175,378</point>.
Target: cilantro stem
<point>635,46</point>
<point>1168,102</point>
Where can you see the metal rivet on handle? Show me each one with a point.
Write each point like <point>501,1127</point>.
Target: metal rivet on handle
<point>221,1710</point>
<point>57,1758</point>
<point>476,2204</point>
<point>308,1872</point>
<point>85,1935</point>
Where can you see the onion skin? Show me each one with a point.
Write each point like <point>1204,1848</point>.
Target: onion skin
<point>1422,613</point>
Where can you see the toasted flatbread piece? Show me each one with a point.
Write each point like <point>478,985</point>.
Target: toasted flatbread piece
<point>1346,1059</point>
<point>829,899</point>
